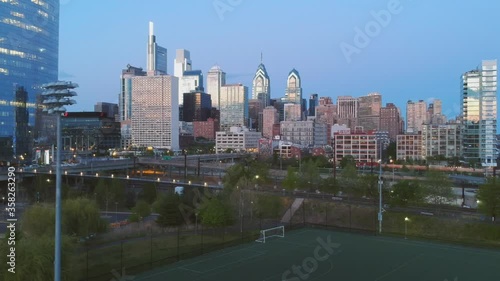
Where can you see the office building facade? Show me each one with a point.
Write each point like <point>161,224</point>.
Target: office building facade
<point>416,116</point>
<point>29,51</point>
<point>293,93</point>
<point>157,55</point>
<point>197,106</point>
<point>270,118</point>
<point>216,78</point>
<point>155,115</point>
<point>233,106</point>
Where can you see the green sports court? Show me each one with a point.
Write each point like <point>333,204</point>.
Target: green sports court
<point>321,255</point>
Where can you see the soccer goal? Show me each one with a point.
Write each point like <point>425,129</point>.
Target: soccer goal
<point>278,231</point>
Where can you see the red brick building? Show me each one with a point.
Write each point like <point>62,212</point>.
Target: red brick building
<point>206,129</point>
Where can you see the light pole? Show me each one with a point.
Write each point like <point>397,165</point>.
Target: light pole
<point>56,95</point>
<point>392,170</point>
<point>406,227</point>
<point>196,223</point>
<point>380,182</point>
<point>116,211</point>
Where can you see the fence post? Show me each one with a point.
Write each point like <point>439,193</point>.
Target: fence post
<point>178,241</point>
<point>201,239</point>
<point>151,245</point>
<point>87,263</point>
<point>304,213</point>
<point>121,256</point>
<point>326,214</point>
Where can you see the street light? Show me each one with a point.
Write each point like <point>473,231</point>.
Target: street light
<point>392,170</point>
<point>406,226</point>
<point>56,95</point>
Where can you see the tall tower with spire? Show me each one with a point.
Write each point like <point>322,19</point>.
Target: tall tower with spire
<point>261,86</point>
<point>157,55</point>
<point>293,93</point>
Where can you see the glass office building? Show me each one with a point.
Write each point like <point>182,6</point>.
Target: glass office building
<point>29,47</point>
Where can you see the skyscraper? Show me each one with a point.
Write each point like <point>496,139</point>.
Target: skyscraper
<point>292,112</point>
<point>479,114</point>
<point>111,109</point>
<point>29,51</point>
<point>416,116</point>
<point>125,102</point>
<point>196,106</point>
<point>157,55</point>
<point>155,112</point>
<point>390,121</point>
<point>261,88</point>
<point>182,62</point>
<point>233,106</point>
<point>216,78</point>
<point>369,111</point>
<point>293,93</point>
<point>191,80</point>
<point>22,137</point>
<point>313,102</point>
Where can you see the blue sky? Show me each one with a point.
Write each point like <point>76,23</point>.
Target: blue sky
<point>418,53</point>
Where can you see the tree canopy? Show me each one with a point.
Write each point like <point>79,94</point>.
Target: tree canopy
<point>489,198</point>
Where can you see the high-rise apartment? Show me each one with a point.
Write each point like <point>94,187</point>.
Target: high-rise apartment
<point>270,117</point>
<point>233,106</point>
<point>157,55</point>
<point>216,78</point>
<point>479,114</point>
<point>416,116</point>
<point>29,51</point>
<point>293,93</point>
<point>155,111</point>
<point>261,85</point>
<point>390,121</point>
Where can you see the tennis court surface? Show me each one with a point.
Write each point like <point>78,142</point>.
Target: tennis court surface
<point>321,255</point>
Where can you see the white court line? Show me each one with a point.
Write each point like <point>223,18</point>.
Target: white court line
<point>204,260</point>
<point>399,267</point>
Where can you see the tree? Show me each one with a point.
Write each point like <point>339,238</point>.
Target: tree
<point>347,161</point>
<point>82,217</point>
<point>406,192</point>
<point>38,220</point>
<point>167,206</point>
<point>142,209</point>
<point>130,200</point>
<point>368,184</point>
<point>390,151</point>
<point>489,198</point>
<point>349,178</point>
<point>437,187</point>
<point>310,173</point>
<point>148,193</point>
<point>35,259</point>
<point>216,212</point>
<point>292,179</point>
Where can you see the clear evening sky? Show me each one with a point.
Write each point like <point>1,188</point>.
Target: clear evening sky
<point>418,53</point>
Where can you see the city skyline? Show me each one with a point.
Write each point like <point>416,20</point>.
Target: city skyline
<point>322,63</point>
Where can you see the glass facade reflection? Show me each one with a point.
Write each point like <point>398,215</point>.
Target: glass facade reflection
<point>233,106</point>
<point>479,114</point>
<point>29,40</point>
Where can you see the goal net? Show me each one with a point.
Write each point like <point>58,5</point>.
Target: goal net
<point>265,234</point>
